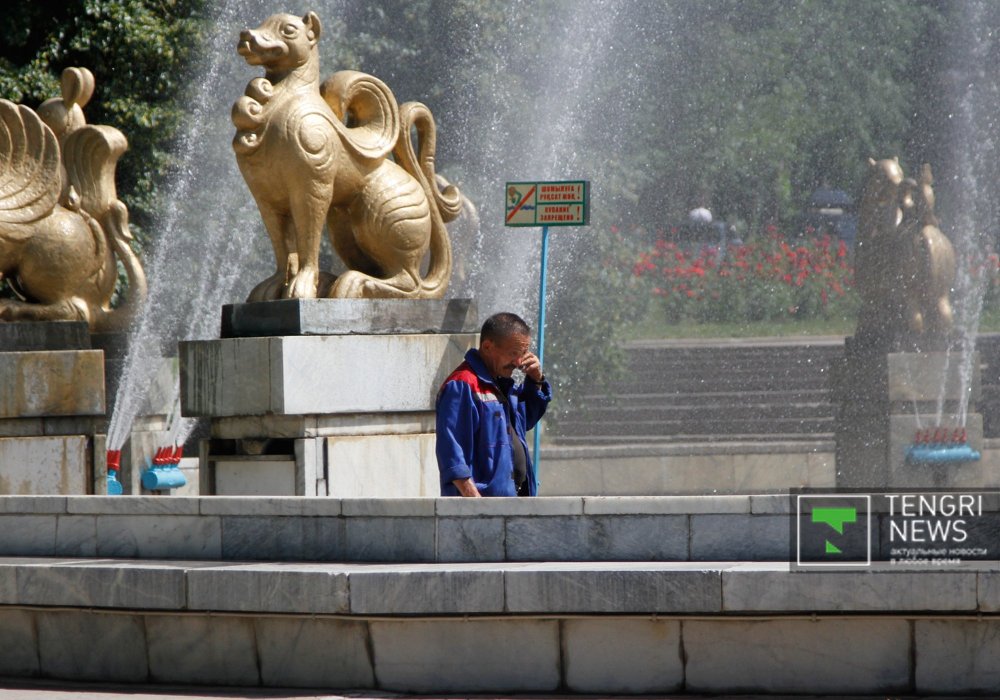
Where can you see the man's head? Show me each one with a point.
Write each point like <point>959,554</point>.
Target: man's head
<point>503,341</point>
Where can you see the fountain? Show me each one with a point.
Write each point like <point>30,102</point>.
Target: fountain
<point>310,396</point>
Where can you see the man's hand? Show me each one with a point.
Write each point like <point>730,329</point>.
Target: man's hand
<point>531,367</point>
<point>467,487</point>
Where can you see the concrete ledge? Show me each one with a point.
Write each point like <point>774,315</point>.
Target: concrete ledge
<point>316,374</point>
<point>688,588</point>
<point>666,469</point>
<point>349,316</point>
<point>621,628</point>
<point>428,530</point>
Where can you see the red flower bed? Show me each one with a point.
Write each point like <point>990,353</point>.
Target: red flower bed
<point>766,279</point>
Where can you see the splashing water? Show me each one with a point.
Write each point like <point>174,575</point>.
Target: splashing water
<point>211,246</point>
<point>971,187</point>
<point>208,238</point>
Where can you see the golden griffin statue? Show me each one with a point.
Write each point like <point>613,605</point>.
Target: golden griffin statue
<point>62,225</point>
<point>314,153</point>
<point>905,265</point>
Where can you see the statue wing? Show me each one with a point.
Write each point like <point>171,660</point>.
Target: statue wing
<point>91,155</point>
<point>30,176</point>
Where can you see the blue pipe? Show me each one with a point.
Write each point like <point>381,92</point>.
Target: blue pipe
<point>163,473</point>
<point>939,453</point>
<point>163,478</point>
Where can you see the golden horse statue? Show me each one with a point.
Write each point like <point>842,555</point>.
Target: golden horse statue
<point>312,153</point>
<point>905,265</point>
<point>62,226</point>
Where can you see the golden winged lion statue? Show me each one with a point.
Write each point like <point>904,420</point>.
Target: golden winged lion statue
<point>62,226</point>
<point>313,153</point>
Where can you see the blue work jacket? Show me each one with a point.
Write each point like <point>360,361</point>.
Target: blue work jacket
<point>473,440</point>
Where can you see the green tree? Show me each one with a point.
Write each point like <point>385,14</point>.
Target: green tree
<point>140,52</point>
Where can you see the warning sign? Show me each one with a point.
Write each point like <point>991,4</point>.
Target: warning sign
<point>548,203</point>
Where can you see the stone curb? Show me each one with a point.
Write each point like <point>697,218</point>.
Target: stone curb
<point>681,588</point>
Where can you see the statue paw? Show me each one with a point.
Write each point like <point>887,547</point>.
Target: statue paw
<point>349,285</point>
<point>304,285</point>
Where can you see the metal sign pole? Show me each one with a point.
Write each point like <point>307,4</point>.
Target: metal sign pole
<point>541,336</point>
<point>545,204</point>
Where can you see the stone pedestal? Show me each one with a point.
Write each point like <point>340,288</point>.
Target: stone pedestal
<point>884,399</point>
<point>324,397</point>
<point>51,409</point>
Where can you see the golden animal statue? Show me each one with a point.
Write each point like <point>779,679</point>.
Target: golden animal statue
<point>312,153</point>
<point>928,262</point>
<point>904,265</point>
<point>62,225</point>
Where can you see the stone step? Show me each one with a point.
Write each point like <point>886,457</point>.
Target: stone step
<point>784,384</point>
<point>757,384</point>
<point>628,627</point>
<point>800,363</point>
<point>815,396</point>
<point>598,440</point>
<point>697,426</point>
<point>627,412</point>
<point>396,530</point>
<point>587,587</point>
<point>407,530</point>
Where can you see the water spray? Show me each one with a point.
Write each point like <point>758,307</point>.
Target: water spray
<point>163,472</point>
<point>114,461</point>
<point>941,445</point>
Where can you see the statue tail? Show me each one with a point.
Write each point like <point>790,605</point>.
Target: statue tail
<point>115,224</point>
<point>445,203</point>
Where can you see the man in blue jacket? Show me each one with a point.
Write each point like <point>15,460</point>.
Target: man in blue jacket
<point>482,415</point>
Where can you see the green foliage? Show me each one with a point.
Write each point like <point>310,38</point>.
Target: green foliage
<point>139,51</point>
<point>768,101</point>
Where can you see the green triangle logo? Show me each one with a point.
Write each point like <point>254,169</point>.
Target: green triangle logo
<point>831,548</point>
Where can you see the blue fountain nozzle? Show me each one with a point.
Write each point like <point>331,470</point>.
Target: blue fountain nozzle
<point>113,485</point>
<point>163,478</point>
<point>164,473</point>
<point>936,453</point>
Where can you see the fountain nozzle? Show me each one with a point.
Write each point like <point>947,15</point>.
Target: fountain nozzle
<point>164,473</point>
<point>113,461</point>
<point>941,446</point>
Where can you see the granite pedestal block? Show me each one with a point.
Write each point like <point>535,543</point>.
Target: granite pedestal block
<point>348,317</point>
<point>52,406</point>
<point>339,404</point>
<point>885,399</point>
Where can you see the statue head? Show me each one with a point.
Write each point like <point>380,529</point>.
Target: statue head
<point>282,43</point>
<point>884,180</point>
<point>65,114</point>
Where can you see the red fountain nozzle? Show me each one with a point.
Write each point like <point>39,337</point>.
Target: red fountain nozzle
<point>114,460</point>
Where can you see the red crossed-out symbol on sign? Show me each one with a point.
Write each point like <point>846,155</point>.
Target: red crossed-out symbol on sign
<point>510,214</point>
